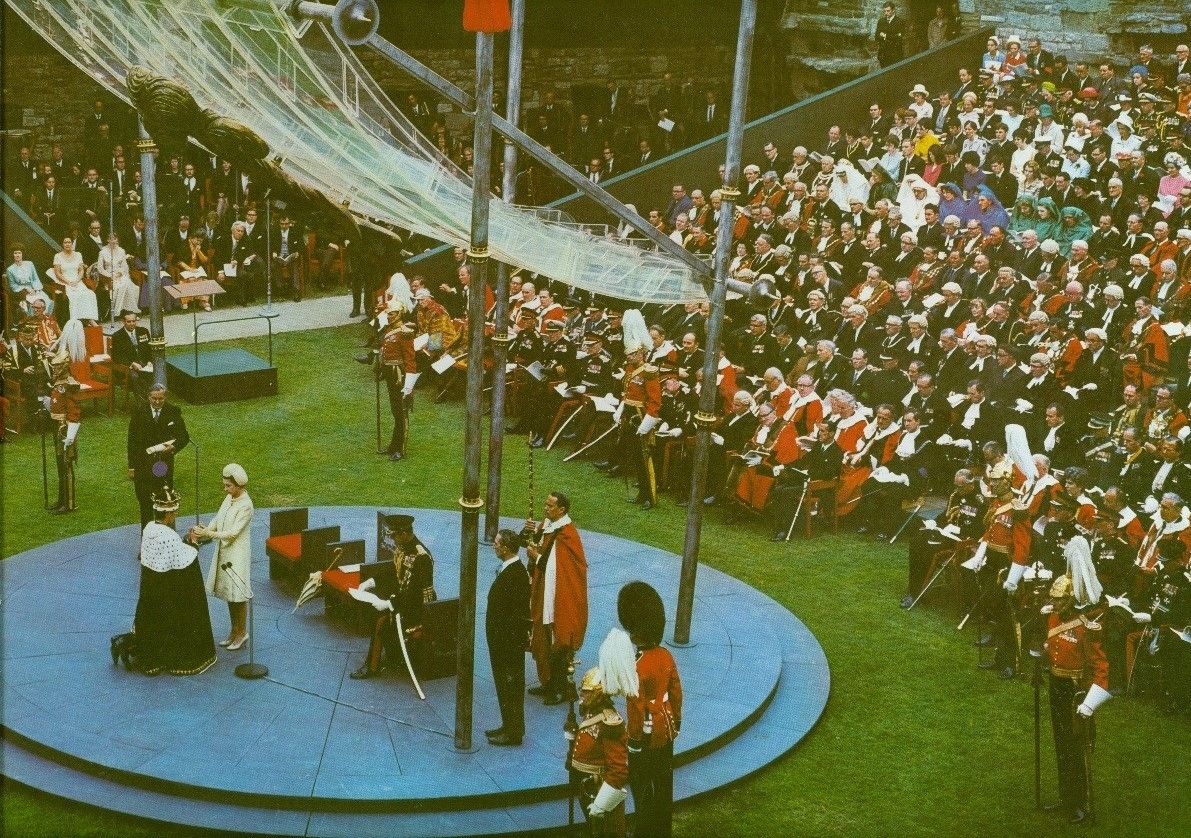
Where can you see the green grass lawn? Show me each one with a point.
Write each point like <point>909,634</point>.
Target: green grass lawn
<point>914,741</point>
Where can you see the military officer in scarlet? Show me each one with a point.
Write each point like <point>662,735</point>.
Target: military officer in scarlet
<point>65,412</point>
<point>599,761</point>
<point>558,598</point>
<point>654,713</point>
<point>639,415</point>
<point>398,368</point>
<point>1006,547</point>
<point>1078,676</point>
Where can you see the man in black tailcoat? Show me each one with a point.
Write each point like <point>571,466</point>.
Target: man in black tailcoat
<point>156,434</point>
<point>507,625</point>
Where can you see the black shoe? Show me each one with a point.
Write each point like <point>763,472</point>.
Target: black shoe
<point>603,465</point>
<point>984,640</point>
<point>907,601</point>
<point>556,698</point>
<point>862,530</point>
<point>396,456</point>
<point>987,665</point>
<point>362,673</point>
<point>496,731</point>
<point>60,510</point>
<point>1082,816</point>
<point>1007,673</point>
<point>355,313</point>
<point>505,741</point>
<point>540,690</point>
<point>537,441</point>
<point>778,537</point>
<point>615,471</point>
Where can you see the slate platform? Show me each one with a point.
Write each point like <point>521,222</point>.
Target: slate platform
<point>309,751</point>
<point>223,375</point>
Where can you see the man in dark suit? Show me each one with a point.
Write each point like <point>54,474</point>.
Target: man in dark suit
<point>506,626</point>
<point>156,434</point>
<point>130,348</point>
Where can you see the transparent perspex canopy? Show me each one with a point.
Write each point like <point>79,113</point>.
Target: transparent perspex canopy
<point>319,110</point>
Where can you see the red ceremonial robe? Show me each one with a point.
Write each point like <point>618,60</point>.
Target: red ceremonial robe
<point>570,598</point>
<point>756,481</point>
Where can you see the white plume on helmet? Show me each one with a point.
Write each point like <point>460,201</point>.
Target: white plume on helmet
<point>636,333</point>
<point>1085,585</point>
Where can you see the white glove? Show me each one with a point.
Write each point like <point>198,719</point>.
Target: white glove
<point>1091,385</point>
<point>1151,505</point>
<point>1016,571</point>
<point>675,432</point>
<point>1096,696</point>
<point>717,439</point>
<point>966,444</point>
<point>945,439</point>
<point>368,584</point>
<point>1049,608</point>
<point>1022,406</point>
<point>951,529</point>
<point>616,414</point>
<point>778,469</point>
<point>607,799</point>
<point>664,430</point>
<point>1141,617</point>
<point>930,524</point>
<point>648,423</point>
<point>411,378</point>
<point>45,402</point>
<point>383,605</point>
<point>581,389</point>
<point>72,430</point>
<point>1072,392</point>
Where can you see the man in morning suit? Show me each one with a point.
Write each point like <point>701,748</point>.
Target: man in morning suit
<point>156,433</point>
<point>130,348</point>
<point>507,626</point>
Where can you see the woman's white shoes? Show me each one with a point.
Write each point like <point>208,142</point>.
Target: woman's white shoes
<point>231,647</point>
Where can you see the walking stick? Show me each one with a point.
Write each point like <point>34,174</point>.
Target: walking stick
<point>45,475</point>
<point>938,573</point>
<point>806,487</point>
<point>1037,681</point>
<point>913,513</point>
<point>378,439</point>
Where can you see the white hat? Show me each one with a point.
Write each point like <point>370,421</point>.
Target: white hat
<point>919,88</point>
<point>236,473</point>
<point>953,287</point>
<point>422,294</point>
<point>1049,246</point>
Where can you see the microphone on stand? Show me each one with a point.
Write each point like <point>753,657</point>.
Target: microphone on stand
<point>251,670</point>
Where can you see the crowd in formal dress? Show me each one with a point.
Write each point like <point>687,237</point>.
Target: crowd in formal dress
<point>980,295</point>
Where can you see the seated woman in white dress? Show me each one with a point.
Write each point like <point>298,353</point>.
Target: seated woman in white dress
<point>112,266</point>
<point>68,272</point>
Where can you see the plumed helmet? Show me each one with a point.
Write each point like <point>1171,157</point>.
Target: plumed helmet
<point>640,610</point>
<point>593,681</point>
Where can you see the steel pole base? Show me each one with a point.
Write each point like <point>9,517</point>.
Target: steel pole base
<point>251,671</point>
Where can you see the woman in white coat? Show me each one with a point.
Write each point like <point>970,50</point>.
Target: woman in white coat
<point>229,577</point>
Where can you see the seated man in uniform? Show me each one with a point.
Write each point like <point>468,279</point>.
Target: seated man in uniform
<point>402,592</point>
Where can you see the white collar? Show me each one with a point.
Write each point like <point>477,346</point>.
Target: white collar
<point>554,526</point>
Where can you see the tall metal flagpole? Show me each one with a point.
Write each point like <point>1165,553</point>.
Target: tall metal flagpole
<point>147,147</point>
<point>723,244</point>
<point>471,502</point>
<point>500,340</point>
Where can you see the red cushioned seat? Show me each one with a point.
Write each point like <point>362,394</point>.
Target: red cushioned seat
<point>341,580</point>
<point>288,547</point>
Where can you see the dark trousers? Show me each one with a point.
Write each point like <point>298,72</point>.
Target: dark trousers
<point>924,547</point>
<point>509,677</point>
<point>65,461</point>
<point>1070,742</point>
<point>395,384</point>
<point>560,674</point>
<point>382,648</point>
<point>651,776</point>
<point>636,452</point>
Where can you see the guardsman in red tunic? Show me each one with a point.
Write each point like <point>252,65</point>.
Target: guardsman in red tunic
<point>1006,544</point>
<point>640,414</point>
<point>65,412</point>
<point>599,759</point>
<point>398,367</point>
<point>654,713</point>
<point>1078,677</point>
